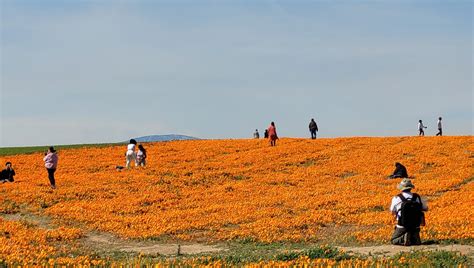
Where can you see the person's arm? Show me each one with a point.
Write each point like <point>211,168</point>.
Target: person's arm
<point>424,204</point>
<point>393,206</point>
<point>317,127</point>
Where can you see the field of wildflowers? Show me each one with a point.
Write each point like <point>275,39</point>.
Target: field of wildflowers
<point>226,190</point>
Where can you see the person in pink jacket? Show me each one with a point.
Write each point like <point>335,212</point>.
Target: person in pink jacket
<point>272,134</point>
<point>51,163</point>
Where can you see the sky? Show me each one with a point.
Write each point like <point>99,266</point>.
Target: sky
<point>105,71</point>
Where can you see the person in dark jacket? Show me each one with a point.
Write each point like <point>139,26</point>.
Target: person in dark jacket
<point>399,172</point>
<point>7,174</point>
<point>265,134</point>
<point>313,128</point>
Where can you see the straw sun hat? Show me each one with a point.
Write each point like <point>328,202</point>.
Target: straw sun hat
<point>406,184</point>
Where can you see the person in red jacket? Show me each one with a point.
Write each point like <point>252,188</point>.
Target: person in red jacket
<point>272,134</point>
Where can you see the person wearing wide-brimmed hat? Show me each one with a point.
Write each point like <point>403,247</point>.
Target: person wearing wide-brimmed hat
<point>51,163</point>
<point>404,235</point>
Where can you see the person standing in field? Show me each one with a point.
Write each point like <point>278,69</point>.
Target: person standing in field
<point>7,174</point>
<point>256,135</point>
<point>421,128</point>
<point>313,128</point>
<point>265,134</point>
<point>440,128</point>
<point>130,154</point>
<point>141,156</point>
<point>51,163</point>
<point>272,134</point>
<point>407,208</point>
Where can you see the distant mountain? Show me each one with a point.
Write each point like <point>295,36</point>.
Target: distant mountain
<point>170,137</point>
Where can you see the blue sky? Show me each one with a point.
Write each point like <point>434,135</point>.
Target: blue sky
<point>104,71</point>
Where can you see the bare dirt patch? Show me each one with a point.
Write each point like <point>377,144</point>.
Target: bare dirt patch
<point>33,219</point>
<point>112,243</point>
<point>106,242</point>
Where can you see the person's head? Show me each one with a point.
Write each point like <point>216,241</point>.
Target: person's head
<point>256,130</point>
<point>51,149</point>
<point>133,141</point>
<point>272,123</point>
<point>397,164</point>
<point>140,147</point>
<point>419,121</point>
<point>312,119</point>
<point>440,118</point>
<point>8,164</point>
<point>405,185</point>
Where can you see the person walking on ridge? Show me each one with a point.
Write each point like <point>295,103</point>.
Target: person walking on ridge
<point>272,135</point>
<point>407,208</point>
<point>256,135</point>
<point>313,128</point>
<point>421,128</point>
<point>440,128</point>
<point>51,163</point>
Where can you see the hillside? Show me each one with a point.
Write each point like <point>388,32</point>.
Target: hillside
<point>325,191</point>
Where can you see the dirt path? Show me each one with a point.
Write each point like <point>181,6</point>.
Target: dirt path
<point>111,243</point>
<point>107,243</point>
<point>101,241</point>
<point>390,250</point>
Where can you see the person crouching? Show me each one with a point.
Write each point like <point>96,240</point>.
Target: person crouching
<point>407,207</point>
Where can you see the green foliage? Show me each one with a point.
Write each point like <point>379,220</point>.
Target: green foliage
<point>431,259</point>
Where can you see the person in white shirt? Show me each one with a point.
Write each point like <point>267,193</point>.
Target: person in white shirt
<point>130,154</point>
<point>256,135</point>
<point>407,235</point>
<point>421,128</point>
<point>440,128</point>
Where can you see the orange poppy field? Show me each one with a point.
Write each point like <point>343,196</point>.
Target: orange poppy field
<point>322,192</point>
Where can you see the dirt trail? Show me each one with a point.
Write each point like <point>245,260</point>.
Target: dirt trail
<point>111,243</point>
<point>101,241</point>
<point>390,250</point>
<point>106,242</point>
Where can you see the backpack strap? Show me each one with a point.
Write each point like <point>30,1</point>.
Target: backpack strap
<point>402,197</point>
<point>416,196</point>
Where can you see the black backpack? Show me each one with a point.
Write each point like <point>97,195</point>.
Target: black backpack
<point>411,214</point>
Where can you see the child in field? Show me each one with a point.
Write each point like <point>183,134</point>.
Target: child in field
<point>130,154</point>
<point>7,174</point>
<point>272,135</point>
<point>141,156</point>
<point>51,163</point>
